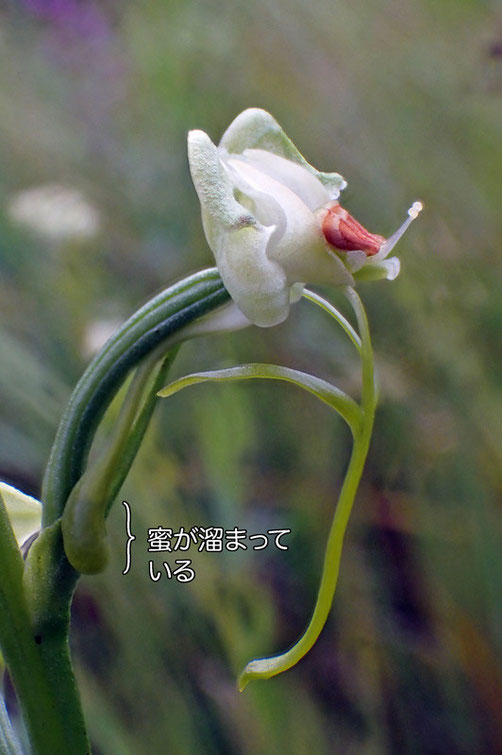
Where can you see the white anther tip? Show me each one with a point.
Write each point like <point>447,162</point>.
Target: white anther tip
<point>415,209</point>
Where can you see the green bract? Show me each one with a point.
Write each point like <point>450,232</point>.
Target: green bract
<point>324,391</point>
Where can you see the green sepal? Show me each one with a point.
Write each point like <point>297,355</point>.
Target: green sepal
<point>329,394</point>
<point>387,269</point>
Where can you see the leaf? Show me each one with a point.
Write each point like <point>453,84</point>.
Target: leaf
<point>334,397</point>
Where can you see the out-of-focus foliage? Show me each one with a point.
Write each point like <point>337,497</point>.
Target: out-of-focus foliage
<point>405,100</point>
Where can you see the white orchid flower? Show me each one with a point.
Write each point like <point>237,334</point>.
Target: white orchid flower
<point>272,220</point>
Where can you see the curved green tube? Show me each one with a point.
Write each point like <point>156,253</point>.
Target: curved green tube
<point>162,316</point>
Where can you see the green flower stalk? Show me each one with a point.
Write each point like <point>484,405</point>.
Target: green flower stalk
<point>360,420</point>
<point>274,223</point>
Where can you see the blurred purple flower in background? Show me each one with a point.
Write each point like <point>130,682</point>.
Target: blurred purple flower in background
<point>78,39</point>
<point>71,16</point>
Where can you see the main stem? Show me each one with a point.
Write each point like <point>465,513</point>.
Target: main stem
<point>46,717</point>
<point>35,601</point>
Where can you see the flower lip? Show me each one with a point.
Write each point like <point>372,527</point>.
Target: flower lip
<point>346,234</point>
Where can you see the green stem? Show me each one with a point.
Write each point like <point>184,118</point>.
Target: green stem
<point>140,426</point>
<point>264,668</point>
<point>333,311</point>
<point>49,580</point>
<point>368,398</point>
<point>84,517</point>
<point>45,714</point>
<point>161,318</point>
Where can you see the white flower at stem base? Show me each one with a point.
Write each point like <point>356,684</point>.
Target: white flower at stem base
<point>272,220</point>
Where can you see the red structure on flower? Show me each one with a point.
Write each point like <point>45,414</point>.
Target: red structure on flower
<point>344,233</point>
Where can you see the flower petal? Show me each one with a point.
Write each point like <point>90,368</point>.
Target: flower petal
<point>379,270</point>
<point>296,177</point>
<point>261,194</point>
<point>355,260</point>
<point>296,241</point>
<point>237,240</point>
<point>212,184</point>
<point>257,284</point>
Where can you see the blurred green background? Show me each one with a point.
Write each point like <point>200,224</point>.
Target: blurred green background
<point>405,100</point>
